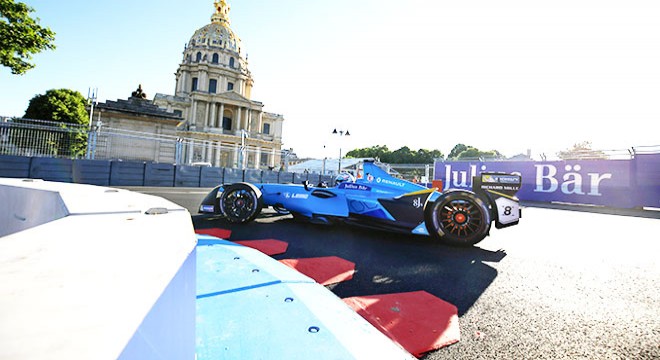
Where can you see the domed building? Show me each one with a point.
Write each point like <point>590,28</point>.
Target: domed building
<point>213,96</point>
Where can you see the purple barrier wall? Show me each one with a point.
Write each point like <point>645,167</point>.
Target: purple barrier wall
<point>614,183</point>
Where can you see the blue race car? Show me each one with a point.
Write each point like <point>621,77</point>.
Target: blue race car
<point>379,200</point>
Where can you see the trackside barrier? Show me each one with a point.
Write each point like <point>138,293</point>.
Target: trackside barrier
<point>126,173</point>
<point>52,169</point>
<point>633,183</point>
<point>15,166</point>
<point>91,172</point>
<point>127,278</point>
<point>111,269</point>
<point>187,176</point>
<point>137,173</point>
<point>211,176</point>
<point>156,174</point>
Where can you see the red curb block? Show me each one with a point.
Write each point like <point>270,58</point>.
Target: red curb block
<point>266,246</point>
<point>418,321</point>
<point>325,270</point>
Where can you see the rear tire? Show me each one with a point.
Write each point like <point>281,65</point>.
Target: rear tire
<point>240,203</point>
<point>458,218</point>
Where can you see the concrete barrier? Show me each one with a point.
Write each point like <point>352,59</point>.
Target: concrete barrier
<point>88,272</point>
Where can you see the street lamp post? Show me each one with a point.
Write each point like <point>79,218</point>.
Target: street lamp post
<point>341,133</point>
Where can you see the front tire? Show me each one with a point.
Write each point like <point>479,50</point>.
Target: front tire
<point>458,218</point>
<point>240,203</point>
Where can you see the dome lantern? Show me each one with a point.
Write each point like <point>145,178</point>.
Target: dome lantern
<point>221,15</point>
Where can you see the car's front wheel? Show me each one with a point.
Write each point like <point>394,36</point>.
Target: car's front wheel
<point>240,202</point>
<point>458,218</point>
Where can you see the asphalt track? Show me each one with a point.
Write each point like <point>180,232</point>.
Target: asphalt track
<point>563,284</point>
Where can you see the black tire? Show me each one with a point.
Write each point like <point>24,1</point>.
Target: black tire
<point>458,218</point>
<point>240,203</point>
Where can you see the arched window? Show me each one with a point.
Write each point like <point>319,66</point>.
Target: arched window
<point>198,58</point>
<point>231,62</point>
<point>215,59</point>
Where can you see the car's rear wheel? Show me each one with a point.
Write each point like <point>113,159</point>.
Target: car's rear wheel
<point>240,203</point>
<point>458,218</point>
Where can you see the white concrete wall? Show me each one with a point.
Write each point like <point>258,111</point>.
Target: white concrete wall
<point>96,276</point>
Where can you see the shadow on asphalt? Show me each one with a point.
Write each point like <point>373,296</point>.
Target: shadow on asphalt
<point>385,263</point>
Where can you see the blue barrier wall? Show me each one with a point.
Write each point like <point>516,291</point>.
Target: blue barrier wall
<point>211,176</point>
<point>126,173</point>
<point>615,183</point>
<point>52,169</point>
<point>15,166</point>
<point>187,176</point>
<point>138,173</point>
<point>93,172</point>
<point>156,174</point>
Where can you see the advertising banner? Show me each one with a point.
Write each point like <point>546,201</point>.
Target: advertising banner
<point>598,182</point>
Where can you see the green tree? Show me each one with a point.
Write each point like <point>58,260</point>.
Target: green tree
<point>458,148</point>
<point>403,155</point>
<point>21,36</point>
<point>465,152</point>
<point>67,107</point>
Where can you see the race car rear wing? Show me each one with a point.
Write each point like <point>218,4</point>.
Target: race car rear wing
<point>500,189</point>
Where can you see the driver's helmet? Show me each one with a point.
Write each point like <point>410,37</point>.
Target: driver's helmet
<point>344,177</point>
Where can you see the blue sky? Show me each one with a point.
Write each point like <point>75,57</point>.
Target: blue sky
<point>509,75</point>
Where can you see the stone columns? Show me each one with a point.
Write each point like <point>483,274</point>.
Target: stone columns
<point>222,115</point>
<point>209,150</point>
<point>213,112</point>
<point>257,158</point>
<point>206,114</point>
<point>218,152</point>
<point>193,116</point>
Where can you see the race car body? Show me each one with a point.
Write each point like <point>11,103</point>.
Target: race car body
<point>379,200</point>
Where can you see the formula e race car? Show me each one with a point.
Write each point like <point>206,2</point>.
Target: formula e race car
<point>379,200</point>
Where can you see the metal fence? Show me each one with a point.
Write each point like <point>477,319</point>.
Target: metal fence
<point>39,138</point>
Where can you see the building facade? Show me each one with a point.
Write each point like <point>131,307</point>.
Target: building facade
<point>135,129</point>
<point>213,96</point>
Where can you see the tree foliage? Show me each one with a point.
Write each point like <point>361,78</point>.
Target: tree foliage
<point>21,36</point>
<point>403,155</point>
<point>466,152</point>
<point>63,106</point>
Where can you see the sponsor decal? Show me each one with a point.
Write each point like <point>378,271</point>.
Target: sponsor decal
<point>295,196</point>
<point>370,178</point>
<point>624,183</point>
<point>353,186</point>
<point>390,182</point>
